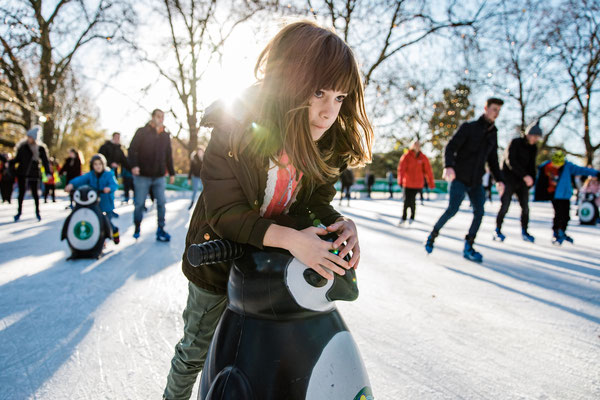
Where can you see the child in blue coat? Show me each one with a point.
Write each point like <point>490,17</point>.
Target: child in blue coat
<point>554,182</point>
<point>102,179</point>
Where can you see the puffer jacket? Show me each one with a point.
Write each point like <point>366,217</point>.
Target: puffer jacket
<point>23,165</point>
<point>413,169</point>
<point>564,186</point>
<point>229,206</point>
<point>98,183</point>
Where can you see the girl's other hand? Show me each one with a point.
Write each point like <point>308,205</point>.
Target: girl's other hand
<point>106,190</point>
<point>346,230</point>
<point>314,252</point>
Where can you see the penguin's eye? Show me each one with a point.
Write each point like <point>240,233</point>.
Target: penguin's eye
<point>77,195</point>
<point>93,196</point>
<point>313,278</point>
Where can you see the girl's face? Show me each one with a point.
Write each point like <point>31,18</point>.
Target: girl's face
<point>98,166</point>
<point>323,109</point>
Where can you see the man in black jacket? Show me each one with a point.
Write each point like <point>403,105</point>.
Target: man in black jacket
<point>113,152</point>
<point>473,144</point>
<point>519,171</point>
<point>150,158</point>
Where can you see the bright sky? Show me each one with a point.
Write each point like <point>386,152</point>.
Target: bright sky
<point>125,105</point>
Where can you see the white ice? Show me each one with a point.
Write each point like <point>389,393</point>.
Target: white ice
<point>524,324</point>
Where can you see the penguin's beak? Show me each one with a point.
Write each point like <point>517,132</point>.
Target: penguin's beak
<point>344,287</point>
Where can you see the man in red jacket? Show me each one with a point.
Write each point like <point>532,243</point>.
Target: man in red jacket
<point>413,169</point>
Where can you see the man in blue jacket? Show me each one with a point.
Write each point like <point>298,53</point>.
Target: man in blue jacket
<point>554,182</point>
<point>473,145</point>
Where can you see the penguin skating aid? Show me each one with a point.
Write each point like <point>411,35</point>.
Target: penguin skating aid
<point>281,336</point>
<point>86,228</point>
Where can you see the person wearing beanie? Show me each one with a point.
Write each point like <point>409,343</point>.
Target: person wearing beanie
<point>554,182</point>
<point>26,166</point>
<point>518,168</point>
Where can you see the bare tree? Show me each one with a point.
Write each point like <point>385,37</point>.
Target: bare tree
<point>381,29</point>
<point>197,33</point>
<point>509,57</point>
<point>39,42</point>
<point>574,38</point>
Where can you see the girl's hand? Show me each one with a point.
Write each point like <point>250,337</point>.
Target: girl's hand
<point>312,251</point>
<point>346,230</point>
<point>68,188</point>
<point>106,190</point>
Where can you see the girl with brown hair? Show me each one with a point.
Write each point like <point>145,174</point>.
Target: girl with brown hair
<point>269,171</point>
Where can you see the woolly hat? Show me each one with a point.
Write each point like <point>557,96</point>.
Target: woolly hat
<point>534,129</point>
<point>97,157</point>
<point>33,132</point>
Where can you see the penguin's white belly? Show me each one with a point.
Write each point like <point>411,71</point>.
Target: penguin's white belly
<point>83,231</point>
<point>339,374</point>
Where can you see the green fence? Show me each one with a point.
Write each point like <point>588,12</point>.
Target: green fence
<point>381,185</point>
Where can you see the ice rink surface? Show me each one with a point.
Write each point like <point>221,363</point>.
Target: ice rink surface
<point>524,324</point>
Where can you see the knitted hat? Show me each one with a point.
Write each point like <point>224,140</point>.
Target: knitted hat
<point>558,158</point>
<point>97,157</point>
<point>534,129</point>
<point>33,132</point>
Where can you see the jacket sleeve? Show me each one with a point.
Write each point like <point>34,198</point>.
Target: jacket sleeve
<point>494,165</point>
<point>513,160</point>
<point>123,159</point>
<point>319,203</point>
<point>104,151</point>
<point>454,145</point>
<point>531,169</point>
<point>62,169</point>
<point>401,169</point>
<point>81,180</point>
<point>577,170</point>
<point>169,158</point>
<point>228,209</point>
<point>134,149</point>
<point>112,181</point>
<point>428,172</point>
<point>44,158</point>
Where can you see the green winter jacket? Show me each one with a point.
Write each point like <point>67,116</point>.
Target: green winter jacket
<point>230,202</point>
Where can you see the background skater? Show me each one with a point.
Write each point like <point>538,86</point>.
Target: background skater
<point>473,144</point>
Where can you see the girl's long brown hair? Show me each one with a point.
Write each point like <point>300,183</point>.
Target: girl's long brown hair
<point>301,59</point>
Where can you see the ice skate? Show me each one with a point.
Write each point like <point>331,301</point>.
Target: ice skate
<point>162,235</point>
<point>527,237</point>
<point>470,254</point>
<point>429,242</point>
<point>558,238</point>
<point>498,235</point>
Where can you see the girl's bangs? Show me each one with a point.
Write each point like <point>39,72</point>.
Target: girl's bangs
<point>336,68</point>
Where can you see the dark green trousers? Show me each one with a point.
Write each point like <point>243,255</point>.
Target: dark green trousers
<point>200,318</point>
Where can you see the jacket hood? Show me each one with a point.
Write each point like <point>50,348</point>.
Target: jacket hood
<point>23,142</point>
<point>224,114</point>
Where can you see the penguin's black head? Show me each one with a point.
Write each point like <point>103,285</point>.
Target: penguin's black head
<point>85,196</point>
<point>272,284</point>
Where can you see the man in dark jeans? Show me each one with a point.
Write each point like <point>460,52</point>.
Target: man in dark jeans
<point>150,157</point>
<point>518,169</point>
<point>466,154</point>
